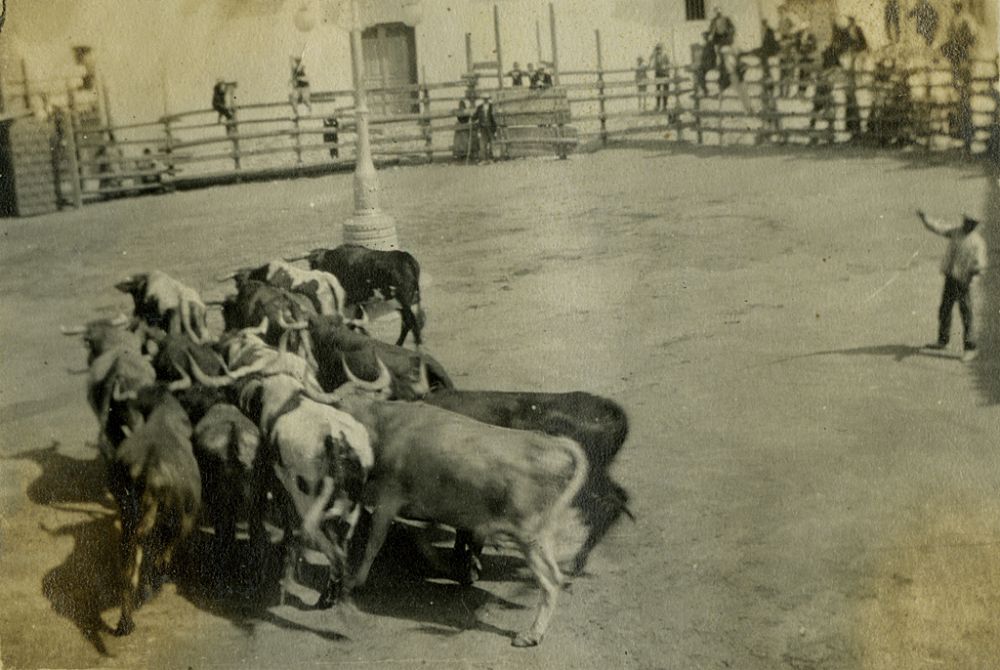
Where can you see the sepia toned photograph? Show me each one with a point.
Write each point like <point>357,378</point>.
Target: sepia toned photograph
<point>500,334</point>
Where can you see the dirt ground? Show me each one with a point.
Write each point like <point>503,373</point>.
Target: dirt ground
<point>811,490</point>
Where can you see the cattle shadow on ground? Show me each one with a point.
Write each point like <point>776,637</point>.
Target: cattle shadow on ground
<point>404,586</point>
<point>64,480</point>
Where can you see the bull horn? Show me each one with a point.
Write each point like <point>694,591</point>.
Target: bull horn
<point>259,329</point>
<point>257,366</point>
<point>295,259</point>
<point>72,330</point>
<point>384,377</point>
<point>293,325</point>
<point>204,379</point>
<point>122,396</point>
<point>215,303</point>
<point>226,277</point>
<point>119,320</point>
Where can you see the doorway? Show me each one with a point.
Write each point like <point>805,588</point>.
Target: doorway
<point>390,53</point>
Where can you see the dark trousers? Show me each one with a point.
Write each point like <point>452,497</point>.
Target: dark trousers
<point>955,291</point>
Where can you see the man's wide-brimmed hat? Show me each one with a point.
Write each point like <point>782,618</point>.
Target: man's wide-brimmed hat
<point>659,46</point>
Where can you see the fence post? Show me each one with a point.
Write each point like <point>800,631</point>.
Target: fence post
<point>168,149</point>
<point>233,130</point>
<point>71,152</point>
<point>468,53</point>
<point>696,99</point>
<point>27,86</point>
<point>555,50</point>
<point>496,35</point>
<point>600,89</point>
<point>425,95</point>
<point>298,137</point>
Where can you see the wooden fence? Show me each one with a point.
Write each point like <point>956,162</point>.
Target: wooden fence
<point>417,123</point>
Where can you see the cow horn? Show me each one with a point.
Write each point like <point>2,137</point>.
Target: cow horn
<point>72,330</point>
<point>119,320</point>
<point>384,377</point>
<point>259,329</point>
<point>204,379</point>
<point>423,386</point>
<point>295,259</point>
<point>293,325</point>
<point>226,277</point>
<point>122,396</point>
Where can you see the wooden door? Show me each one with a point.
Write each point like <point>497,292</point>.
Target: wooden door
<point>390,53</point>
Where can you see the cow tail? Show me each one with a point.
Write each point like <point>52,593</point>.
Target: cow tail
<point>579,476</point>
<point>185,310</point>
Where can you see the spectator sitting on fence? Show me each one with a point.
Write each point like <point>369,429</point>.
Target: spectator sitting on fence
<point>661,70</point>
<point>301,92</point>
<point>958,50</point>
<point>791,30</point>
<point>721,33</point>
<point>544,77</point>
<point>486,125</point>
<point>516,75</point>
<point>927,20</point>
<point>641,76</point>
<point>531,74</point>
<point>331,134</point>
<point>220,101</point>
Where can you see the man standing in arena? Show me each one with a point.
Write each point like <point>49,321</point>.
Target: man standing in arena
<point>963,263</point>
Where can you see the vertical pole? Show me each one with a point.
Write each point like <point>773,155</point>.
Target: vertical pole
<point>600,88</point>
<point>555,50</point>
<point>107,107</point>
<point>298,137</point>
<point>538,40</point>
<point>496,36</point>
<point>71,151</point>
<point>696,98</point>
<point>27,86</point>
<point>168,148</point>
<point>365,177</point>
<point>233,129</point>
<point>468,52</point>
<point>425,94</point>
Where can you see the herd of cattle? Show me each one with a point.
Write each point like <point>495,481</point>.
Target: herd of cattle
<point>296,408</point>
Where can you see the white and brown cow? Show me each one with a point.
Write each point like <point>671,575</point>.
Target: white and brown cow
<point>493,481</point>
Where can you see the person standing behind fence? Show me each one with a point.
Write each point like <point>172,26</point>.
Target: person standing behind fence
<point>790,35</point>
<point>807,62</point>
<point>486,125</point>
<point>927,20</point>
<point>958,49</point>
<point>301,92</point>
<point>516,75</point>
<point>721,35</point>
<point>661,70</point>
<point>641,77</point>
<point>963,263</point>
<point>531,75</point>
<point>220,102</point>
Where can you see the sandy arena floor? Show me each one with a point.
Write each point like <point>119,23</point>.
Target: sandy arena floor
<point>811,490</point>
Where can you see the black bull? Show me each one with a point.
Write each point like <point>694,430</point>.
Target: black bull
<point>362,272</point>
<point>336,345</point>
<point>598,425</point>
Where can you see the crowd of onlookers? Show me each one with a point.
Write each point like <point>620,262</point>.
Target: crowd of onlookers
<point>791,61</point>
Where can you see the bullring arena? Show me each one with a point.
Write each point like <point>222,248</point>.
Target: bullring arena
<point>810,490</point>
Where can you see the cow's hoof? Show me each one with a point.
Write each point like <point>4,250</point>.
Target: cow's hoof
<point>526,640</point>
<point>125,627</point>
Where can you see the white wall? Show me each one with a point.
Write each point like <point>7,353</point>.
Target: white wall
<point>157,55</point>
